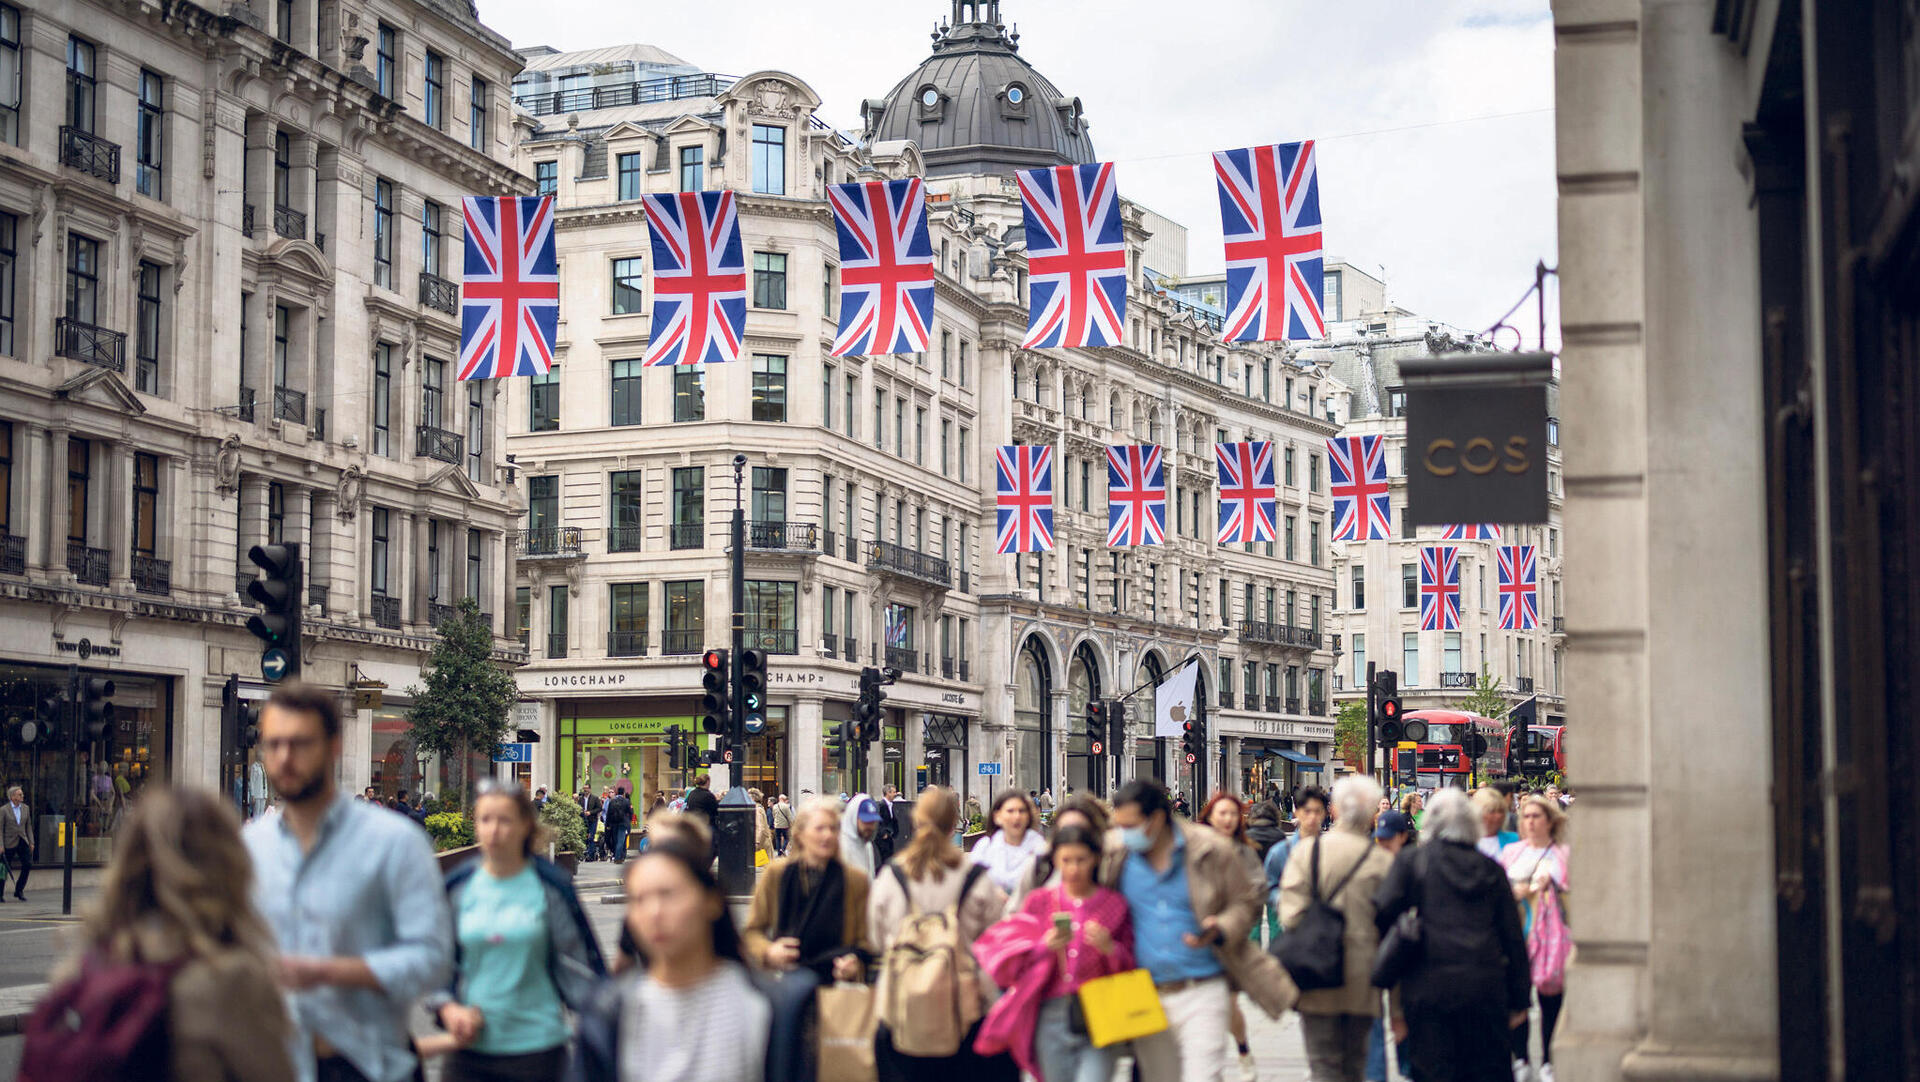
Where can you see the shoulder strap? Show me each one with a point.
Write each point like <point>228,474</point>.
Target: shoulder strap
<point>974,872</point>
<point>1313,872</point>
<point>1351,872</point>
<point>906,888</point>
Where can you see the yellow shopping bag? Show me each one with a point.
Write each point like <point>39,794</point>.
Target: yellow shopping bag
<point>760,858</point>
<point>1122,1007</point>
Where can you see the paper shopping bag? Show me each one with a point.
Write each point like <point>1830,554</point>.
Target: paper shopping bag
<point>846,1032</point>
<point>1122,1007</point>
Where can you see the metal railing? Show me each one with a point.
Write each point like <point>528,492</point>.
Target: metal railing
<point>964,666</point>
<point>1458,679</point>
<point>904,658</point>
<point>626,644</point>
<point>386,611</point>
<point>289,223</point>
<point>1292,706</point>
<point>829,543</point>
<point>853,549</point>
<point>439,293</point>
<point>245,409</point>
<point>550,541</point>
<point>625,538</point>
<point>556,644</point>
<point>89,153</point>
<point>319,424</point>
<point>1559,625</point>
<point>242,580</point>
<point>682,640</point>
<point>439,613</point>
<point>687,535</point>
<point>317,596</point>
<point>886,556</point>
<point>1273,705</point>
<point>774,640</point>
<point>152,575</point>
<point>966,581</point>
<point>13,554</point>
<point>93,344</point>
<point>670,88</point>
<point>438,443</point>
<point>1316,707</point>
<point>1226,699</point>
<point>289,405</point>
<point>246,219</point>
<point>783,536</point>
<point>1523,684</point>
<point>850,649</point>
<point>89,565</point>
<point>1279,634</point>
<point>829,644</point>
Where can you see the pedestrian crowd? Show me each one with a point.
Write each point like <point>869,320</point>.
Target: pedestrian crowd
<point>1066,940</point>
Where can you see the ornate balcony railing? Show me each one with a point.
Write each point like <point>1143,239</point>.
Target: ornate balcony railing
<point>964,666</point>
<point>898,559</point>
<point>245,409</point>
<point>439,293</point>
<point>853,549</point>
<point>829,645</point>
<point>850,649</point>
<point>625,538</point>
<point>13,554</point>
<point>687,535</point>
<point>904,658</point>
<point>1226,699</point>
<point>581,99</point>
<point>1316,707</point>
<point>829,543</point>
<point>783,536</point>
<point>386,611</point>
<point>89,565</point>
<point>1459,679</point>
<point>90,154</point>
<point>1292,706</point>
<point>1279,634</point>
<point>289,405</point>
<point>439,613</point>
<point>556,644</point>
<point>317,596</point>
<point>550,541</point>
<point>946,668</point>
<point>86,342</point>
<point>774,640</point>
<point>438,443</point>
<point>289,223</point>
<point>1559,625</point>
<point>246,220</point>
<point>682,640</point>
<point>1523,684</point>
<point>1273,705</point>
<point>152,576</point>
<point>626,644</point>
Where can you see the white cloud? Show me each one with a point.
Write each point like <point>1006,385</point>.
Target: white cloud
<point>1455,209</point>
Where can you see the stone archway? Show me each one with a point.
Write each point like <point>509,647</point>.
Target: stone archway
<point>1085,771</point>
<point>1031,766</point>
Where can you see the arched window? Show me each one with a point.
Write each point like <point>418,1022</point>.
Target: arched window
<point>1032,708</point>
<point>1113,412</point>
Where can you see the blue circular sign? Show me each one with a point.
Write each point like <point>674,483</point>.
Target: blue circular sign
<point>756,724</point>
<point>273,663</point>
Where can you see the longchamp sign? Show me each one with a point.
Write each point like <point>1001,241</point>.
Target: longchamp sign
<point>1477,438</point>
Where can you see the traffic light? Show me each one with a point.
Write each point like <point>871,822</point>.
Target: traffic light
<point>249,730</point>
<point>1117,726</point>
<point>278,592</point>
<point>1193,740</point>
<point>96,707</point>
<point>866,712</point>
<point>841,737</point>
<point>753,692</point>
<point>1386,706</point>
<point>51,724</point>
<point>716,706</point>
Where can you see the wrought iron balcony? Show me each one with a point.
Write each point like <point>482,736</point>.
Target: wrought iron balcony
<point>946,668</point>
<point>853,549</point>
<point>1523,684</point>
<point>850,649</point>
<point>89,153</point>
<point>966,581</point>
<point>829,543</point>
<point>783,536</point>
<point>1316,707</point>
<point>687,535</point>
<point>317,596</point>
<point>152,576</point>
<point>13,554</point>
<point>1292,706</point>
<point>243,579</point>
<point>87,342</point>
<point>556,644</point>
<point>438,443</point>
<point>1226,699</point>
<point>1559,625</point>
<point>319,424</point>
<point>1273,705</point>
<point>904,658</point>
<point>555,542</point>
<point>440,293</point>
<point>964,666</point>
<point>774,640</point>
<point>386,611</point>
<point>246,220</point>
<point>289,405</point>
<point>1279,634</point>
<point>682,640</point>
<point>626,644</point>
<point>625,538</point>
<point>1459,679</point>
<point>245,409</point>
<point>439,613</point>
<point>89,565</point>
<point>887,557</point>
<point>289,223</point>
<point>829,644</point>
<point>320,240</point>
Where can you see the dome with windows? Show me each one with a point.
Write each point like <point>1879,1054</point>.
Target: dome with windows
<point>976,106</point>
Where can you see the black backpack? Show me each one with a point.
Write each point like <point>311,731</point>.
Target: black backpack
<point>1314,952</point>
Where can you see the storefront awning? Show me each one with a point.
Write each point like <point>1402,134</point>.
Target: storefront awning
<point>1306,761</point>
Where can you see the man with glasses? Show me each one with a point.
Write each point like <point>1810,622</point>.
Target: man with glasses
<point>354,897</point>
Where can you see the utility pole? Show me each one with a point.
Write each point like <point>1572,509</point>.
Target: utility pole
<point>1372,768</point>
<point>733,836</point>
<point>73,766</point>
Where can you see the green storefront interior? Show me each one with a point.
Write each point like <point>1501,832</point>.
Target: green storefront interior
<point>611,751</point>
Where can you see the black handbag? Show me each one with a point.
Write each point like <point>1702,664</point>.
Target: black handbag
<point>1314,952</point>
<point>1400,950</point>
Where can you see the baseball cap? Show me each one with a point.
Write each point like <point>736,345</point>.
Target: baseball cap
<point>1391,824</point>
<point>869,812</point>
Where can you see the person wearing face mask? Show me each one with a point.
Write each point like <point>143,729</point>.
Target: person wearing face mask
<point>1192,901</point>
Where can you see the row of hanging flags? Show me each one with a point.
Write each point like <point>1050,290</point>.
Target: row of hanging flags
<point>1076,265</point>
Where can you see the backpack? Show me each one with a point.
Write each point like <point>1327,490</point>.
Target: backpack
<point>1315,951</point>
<point>108,1024</point>
<point>933,991</point>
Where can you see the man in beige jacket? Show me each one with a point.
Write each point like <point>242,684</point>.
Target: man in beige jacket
<point>1335,1021</point>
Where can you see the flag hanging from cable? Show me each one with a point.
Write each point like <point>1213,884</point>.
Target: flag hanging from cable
<point>886,267</point>
<point>699,279</point>
<point>1519,588</point>
<point>510,287</point>
<point>1482,531</point>
<point>1439,588</point>
<point>1136,496</point>
<point>1248,499</point>
<point>1362,507</point>
<point>1023,496</point>
<point>1076,256</point>
<point>1270,213</point>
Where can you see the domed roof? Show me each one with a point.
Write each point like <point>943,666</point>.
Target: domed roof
<point>975,106</point>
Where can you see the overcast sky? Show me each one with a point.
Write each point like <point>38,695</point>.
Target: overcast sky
<point>1434,116</point>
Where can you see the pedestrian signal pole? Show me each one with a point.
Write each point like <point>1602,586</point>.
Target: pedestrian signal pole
<point>733,834</point>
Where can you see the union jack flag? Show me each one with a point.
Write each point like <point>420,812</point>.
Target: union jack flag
<point>1270,213</point>
<point>1485,531</point>
<point>897,625</point>
<point>1362,509</point>
<point>1439,588</point>
<point>1519,588</point>
<point>699,279</point>
<point>510,288</point>
<point>1247,496</point>
<point>886,267</point>
<point>1136,496</point>
<point>1023,483</point>
<point>1076,256</point>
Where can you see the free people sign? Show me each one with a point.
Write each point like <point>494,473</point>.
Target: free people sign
<point>1477,438</point>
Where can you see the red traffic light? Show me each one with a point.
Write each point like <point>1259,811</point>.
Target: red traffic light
<point>1390,708</point>
<point>714,659</point>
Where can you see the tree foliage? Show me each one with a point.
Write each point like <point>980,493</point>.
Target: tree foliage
<point>564,825</point>
<point>1489,698</point>
<point>1350,734</point>
<point>464,706</point>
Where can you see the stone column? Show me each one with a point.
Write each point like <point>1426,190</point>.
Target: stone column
<point>259,172</point>
<point>320,542</point>
<point>60,498</point>
<point>118,506</point>
<point>253,520</point>
<point>805,736</point>
<point>410,542</point>
<point>33,514</point>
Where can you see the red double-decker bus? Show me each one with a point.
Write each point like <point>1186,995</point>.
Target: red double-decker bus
<point>1543,752</point>
<point>1441,751</point>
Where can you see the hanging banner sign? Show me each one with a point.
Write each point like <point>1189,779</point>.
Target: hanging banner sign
<point>1477,437</point>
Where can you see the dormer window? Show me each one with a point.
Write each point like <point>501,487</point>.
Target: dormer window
<point>929,97</point>
<point>1015,95</point>
<point>932,105</point>
<point>1013,102</point>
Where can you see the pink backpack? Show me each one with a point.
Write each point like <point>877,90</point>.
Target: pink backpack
<point>108,1024</point>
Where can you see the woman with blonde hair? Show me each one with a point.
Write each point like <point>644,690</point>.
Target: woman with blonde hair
<point>176,902</point>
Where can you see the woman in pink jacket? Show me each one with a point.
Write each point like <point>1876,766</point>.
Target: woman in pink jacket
<point>1061,937</point>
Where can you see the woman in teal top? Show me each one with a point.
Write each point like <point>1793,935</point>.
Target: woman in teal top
<point>523,951</point>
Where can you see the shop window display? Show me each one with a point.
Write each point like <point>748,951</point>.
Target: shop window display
<point>106,776</point>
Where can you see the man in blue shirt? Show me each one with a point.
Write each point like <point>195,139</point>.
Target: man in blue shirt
<point>1193,901</point>
<point>354,897</point>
